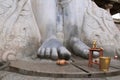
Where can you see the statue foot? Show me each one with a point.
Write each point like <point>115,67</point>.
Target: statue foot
<point>53,49</point>
<point>80,48</point>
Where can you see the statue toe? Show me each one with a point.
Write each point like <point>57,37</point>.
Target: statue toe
<point>95,54</point>
<point>54,54</point>
<point>47,53</point>
<point>64,53</point>
<point>41,52</point>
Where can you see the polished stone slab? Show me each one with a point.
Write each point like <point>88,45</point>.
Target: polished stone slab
<point>76,68</point>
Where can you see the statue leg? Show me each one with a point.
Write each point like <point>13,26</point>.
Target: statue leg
<point>74,11</point>
<point>45,12</point>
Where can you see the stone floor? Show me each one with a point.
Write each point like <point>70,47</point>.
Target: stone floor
<point>32,70</point>
<point>4,75</point>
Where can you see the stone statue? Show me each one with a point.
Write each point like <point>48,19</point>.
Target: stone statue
<point>53,29</point>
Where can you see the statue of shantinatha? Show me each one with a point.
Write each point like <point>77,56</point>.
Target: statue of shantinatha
<point>53,28</point>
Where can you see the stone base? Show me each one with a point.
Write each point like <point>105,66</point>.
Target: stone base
<point>78,68</point>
